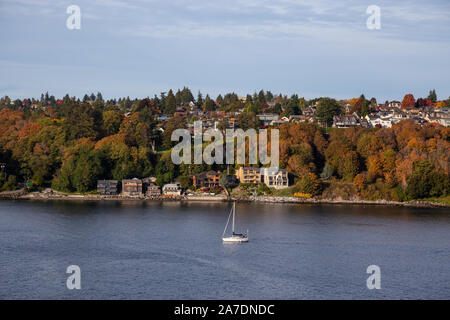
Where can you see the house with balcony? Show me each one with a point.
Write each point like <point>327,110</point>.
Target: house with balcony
<point>153,190</point>
<point>172,190</point>
<point>132,187</point>
<point>206,179</point>
<point>108,187</point>
<point>249,175</point>
<point>275,178</point>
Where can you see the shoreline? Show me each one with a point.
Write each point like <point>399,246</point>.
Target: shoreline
<point>20,195</point>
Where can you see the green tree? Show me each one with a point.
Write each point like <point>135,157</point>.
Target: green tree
<point>247,120</point>
<point>425,182</point>
<point>170,103</point>
<point>432,95</point>
<point>327,108</point>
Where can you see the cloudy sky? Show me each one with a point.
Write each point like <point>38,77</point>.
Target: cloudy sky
<point>141,48</point>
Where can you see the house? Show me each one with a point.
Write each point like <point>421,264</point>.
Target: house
<point>275,178</point>
<point>163,117</point>
<point>445,122</point>
<point>149,180</point>
<point>232,122</point>
<point>309,111</point>
<point>267,118</point>
<point>181,112</point>
<point>153,190</point>
<point>377,120</point>
<point>132,187</point>
<point>206,179</point>
<point>108,187</point>
<point>394,104</point>
<point>249,175</point>
<point>197,112</point>
<point>346,121</point>
<point>172,189</point>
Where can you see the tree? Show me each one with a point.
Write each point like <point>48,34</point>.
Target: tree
<point>209,104</point>
<point>199,100</point>
<point>111,122</point>
<point>327,172</point>
<point>447,103</point>
<point>432,96</point>
<point>408,101</point>
<point>170,103</point>
<point>309,183</point>
<point>79,123</point>
<point>247,120</point>
<point>292,108</point>
<point>327,108</point>
<point>228,182</point>
<point>425,182</point>
<point>364,106</point>
<point>176,122</point>
<point>81,168</point>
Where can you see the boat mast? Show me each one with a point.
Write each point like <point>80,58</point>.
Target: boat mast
<point>226,226</point>
<point>234,213</point>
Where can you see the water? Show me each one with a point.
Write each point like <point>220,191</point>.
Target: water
<point>173,250</point>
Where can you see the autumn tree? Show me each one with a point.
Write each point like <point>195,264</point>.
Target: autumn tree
<point>408,101</point>
<point>111,122</point>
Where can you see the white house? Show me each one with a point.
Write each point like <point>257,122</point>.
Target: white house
<point>275,178</point>
<point>172,189</point>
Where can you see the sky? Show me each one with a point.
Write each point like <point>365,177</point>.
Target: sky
<point>140,48</point>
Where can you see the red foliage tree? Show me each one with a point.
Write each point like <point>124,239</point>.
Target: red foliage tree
<point>408,101</point>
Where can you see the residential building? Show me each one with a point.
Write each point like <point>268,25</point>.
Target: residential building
<point>267,118</point>
<point>163,117</point>
<point>249,175</point>
<point>172,189</point>
<point>206,179</point>
<point>132,187</point>
<point>377,121</point>
<point>275,177</point>
<point>309,111</point>
<point>346,121</point>
<point>181,112</point>
<point>153,190</point>
<point>108,187</point>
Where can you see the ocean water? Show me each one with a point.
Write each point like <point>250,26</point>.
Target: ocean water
<point>173,250</point>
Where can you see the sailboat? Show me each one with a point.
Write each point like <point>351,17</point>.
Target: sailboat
<point>235,237</point>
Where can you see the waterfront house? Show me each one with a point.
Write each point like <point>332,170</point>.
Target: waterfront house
<point>275,178</point>
<point>132,187</point>
<point>153,190</point>
<point>206,179</point>
<point>249,175</point>
<point>172,189</point>
<point>108,187</point>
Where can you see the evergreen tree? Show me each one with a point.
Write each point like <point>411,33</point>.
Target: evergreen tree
<point>170,103</point>
<point>432,96</point>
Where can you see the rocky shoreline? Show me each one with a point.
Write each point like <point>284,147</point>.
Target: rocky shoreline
<point>414,203</point>
<point>22,195</point>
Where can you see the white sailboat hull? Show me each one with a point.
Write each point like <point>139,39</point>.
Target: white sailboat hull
<point>235,239</point>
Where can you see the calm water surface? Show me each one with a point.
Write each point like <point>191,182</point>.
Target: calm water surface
<point>155,250</point>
